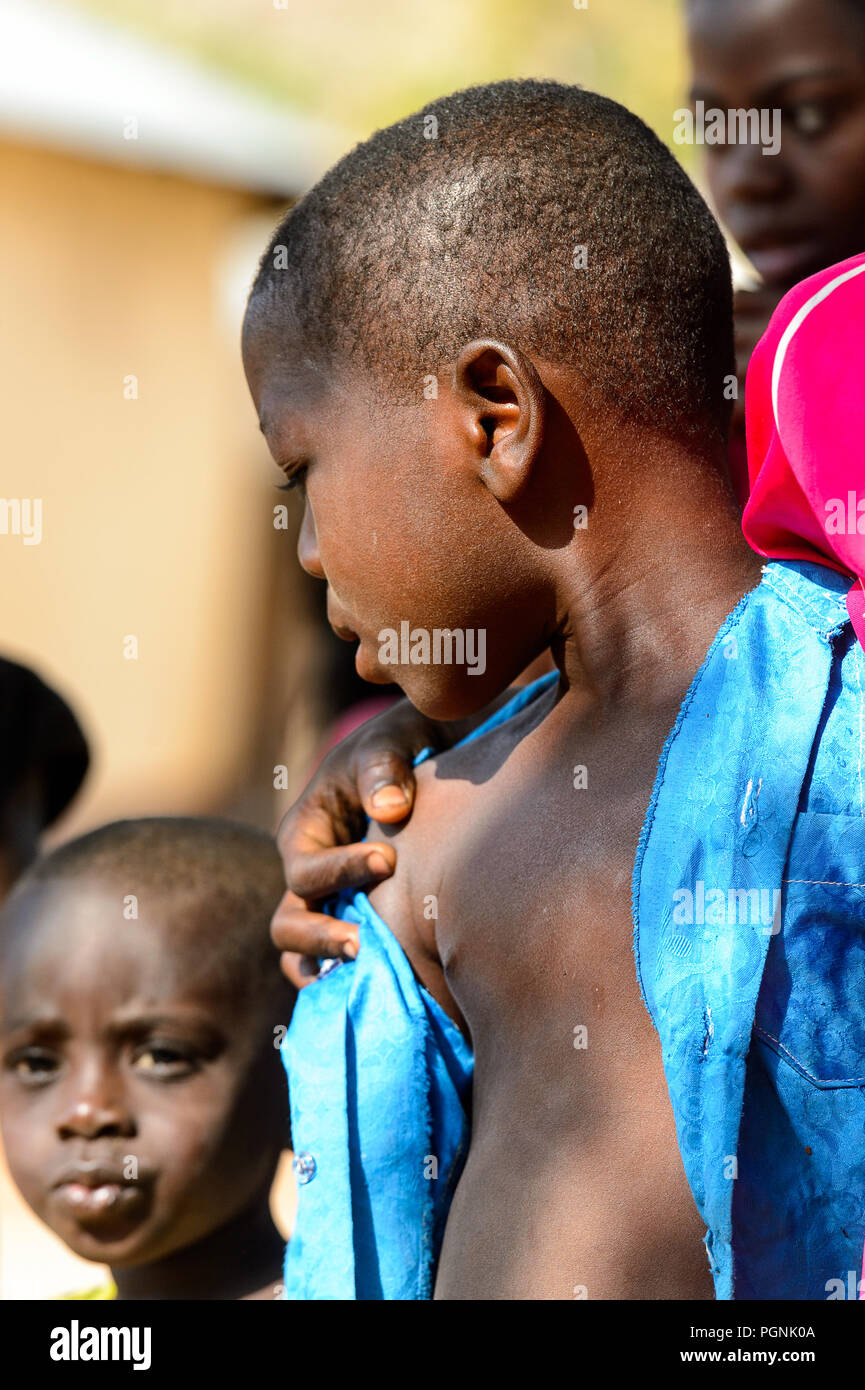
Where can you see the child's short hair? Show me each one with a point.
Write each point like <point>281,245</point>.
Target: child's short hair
<point>540,214</point>
<point>227,870</point>
<point>141,1007</point>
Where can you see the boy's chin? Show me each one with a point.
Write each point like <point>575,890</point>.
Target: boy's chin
<point>114,1249</point>
<point>445,700</point>
<point>438,691</point>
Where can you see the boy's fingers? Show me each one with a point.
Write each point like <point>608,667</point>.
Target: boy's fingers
<point>318,874</point>
<point>298,970</point>
<point>385,782</point>
<point>295,929</point>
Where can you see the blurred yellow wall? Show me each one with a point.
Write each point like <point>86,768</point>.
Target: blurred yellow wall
<point>156,511</point>
<point>156,521</point>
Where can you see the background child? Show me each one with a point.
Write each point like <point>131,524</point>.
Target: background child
<point>43,761</point>
<point>141,1096</point>
<point>795,212</point>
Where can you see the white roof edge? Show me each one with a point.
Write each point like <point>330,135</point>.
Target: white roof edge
<point>74,82</point>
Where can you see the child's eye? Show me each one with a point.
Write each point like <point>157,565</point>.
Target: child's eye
<point>164,1061</point>
<point>296,478</point>
<point>810,118</point>
<point>34,1065</point>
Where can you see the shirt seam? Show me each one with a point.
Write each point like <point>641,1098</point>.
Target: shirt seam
<point>807,610</point>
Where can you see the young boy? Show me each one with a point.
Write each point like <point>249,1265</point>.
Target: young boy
<point>801,208</point>
<point>141,1098</point>
<point>497,359</point>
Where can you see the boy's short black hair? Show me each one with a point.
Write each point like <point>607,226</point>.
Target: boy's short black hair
<point>225,872</point>
<point>466,220</point>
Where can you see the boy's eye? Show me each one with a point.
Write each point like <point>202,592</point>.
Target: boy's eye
<point>164,1061</point>
<point>296,477</point>
<point>34,1065</point>
<point>809,118</point>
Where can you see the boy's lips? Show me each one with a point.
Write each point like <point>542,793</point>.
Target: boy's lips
<point>337,621</point>
<point>781,259</point>
<point>99,1195</point>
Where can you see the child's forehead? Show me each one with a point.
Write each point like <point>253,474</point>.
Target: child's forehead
<point>724,29</point>
<point>288,378</point>
<point>88,945</point>
<point>284,423</point>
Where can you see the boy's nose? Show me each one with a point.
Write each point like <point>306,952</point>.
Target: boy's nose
<point>746,175</point>
<point>307,545</point>
<point>95,1111</point>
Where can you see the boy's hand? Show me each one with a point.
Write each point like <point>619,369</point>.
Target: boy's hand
<point>370,775</point>
<point>367,776</point>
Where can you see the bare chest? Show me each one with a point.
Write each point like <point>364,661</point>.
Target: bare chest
<point>533,903</point>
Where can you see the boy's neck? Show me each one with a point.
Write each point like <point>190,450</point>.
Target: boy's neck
<point>639,619</point>
<point>242,1259</point>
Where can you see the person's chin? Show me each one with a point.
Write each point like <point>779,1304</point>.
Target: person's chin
<point>368,668</point>
<point>440,691</point>
<point>443,697</point>
<point>111,1236</point>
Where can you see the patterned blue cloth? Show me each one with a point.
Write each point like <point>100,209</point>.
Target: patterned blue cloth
<point>749,939</point>
<point>379,1083</point>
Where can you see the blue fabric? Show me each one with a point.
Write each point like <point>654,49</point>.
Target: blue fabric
<point>378,1088</point>
<point>749,941</point>
<point>379,1085</point>
<point>762,1019</point>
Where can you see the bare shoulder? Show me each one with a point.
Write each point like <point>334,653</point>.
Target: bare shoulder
<point>451,793</point>
<point>407,901</point>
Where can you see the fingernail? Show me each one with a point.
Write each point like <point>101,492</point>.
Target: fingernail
<point>349,949</point>
<point>377,863</point>
<point>389,796</point>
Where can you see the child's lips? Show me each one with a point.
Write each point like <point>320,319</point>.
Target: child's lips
<point>77,1194</point>
<point>336,618</point>
<point>782,259</point>
<point>100,1197</point>
<point>110,1211</point>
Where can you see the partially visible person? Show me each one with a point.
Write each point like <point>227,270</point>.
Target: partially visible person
<point>142,1101</point>
<point>801,209</point>
<point>711,713</point>
<point>806,426</point>
<point>792,214</point>
<point>795,1227</point>
<point>43,762</point>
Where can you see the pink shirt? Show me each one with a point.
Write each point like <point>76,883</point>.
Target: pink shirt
<point>805,422</point>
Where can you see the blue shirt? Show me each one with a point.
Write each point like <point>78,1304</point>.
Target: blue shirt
<point>749,942</point>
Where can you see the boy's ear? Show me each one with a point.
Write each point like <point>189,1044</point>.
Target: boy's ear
<point>504,397</point>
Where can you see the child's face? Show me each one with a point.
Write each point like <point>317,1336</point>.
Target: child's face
<point>142,1106</point>
<point>398,522</point>
<point>803,208</point>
